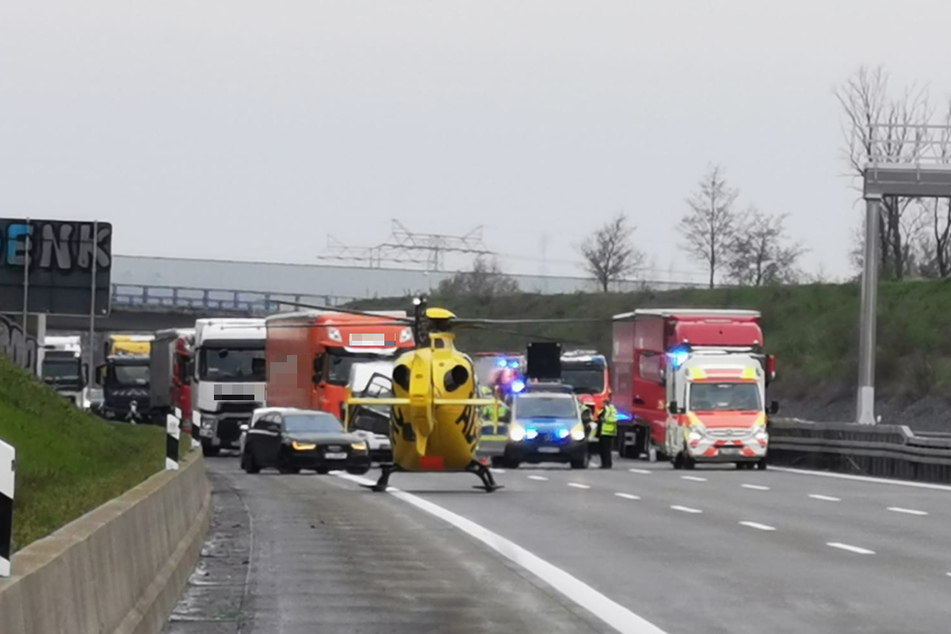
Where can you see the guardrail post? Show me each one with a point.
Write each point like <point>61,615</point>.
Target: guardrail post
<point>8,466</point>
<point>196,439</point>
<point>173,431</point>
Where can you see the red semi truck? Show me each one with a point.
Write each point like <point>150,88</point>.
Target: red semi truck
<point>645,343</point>
<point>170,373</point>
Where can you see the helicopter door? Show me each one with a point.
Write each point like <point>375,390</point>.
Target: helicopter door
<point>265,440</point>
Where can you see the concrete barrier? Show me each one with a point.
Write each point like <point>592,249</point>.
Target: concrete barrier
<point>118,569</point>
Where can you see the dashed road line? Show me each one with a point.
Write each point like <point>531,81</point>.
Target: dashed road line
<point>498,470</point>
<point>578,485</point>
<point>851,549</point>
<point>685,509</point>
<point>755,487</point>
<point>627,496</point>
<point>758,526</point>
<point>824,498</point>
<point>539,478</point>
<point>693,478</point>
<point>640,471</point>
<point>898,509</point>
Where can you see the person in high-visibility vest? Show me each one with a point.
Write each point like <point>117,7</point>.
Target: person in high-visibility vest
<point>607,431</point>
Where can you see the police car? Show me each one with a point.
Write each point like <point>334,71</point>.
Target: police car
<point>546,426</point>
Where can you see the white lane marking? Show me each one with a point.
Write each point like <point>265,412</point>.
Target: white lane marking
<point>614,614</point>
<point>498,470</point>
<point>851,549</point>
<point>693,478</point>
<point>539,478</point>
<point>627,496</point>
<point>846,476</point>
<point>897,509</point>
<point>641,471</point>
<point>948,573</point>
<point>578,485</point>
<point>685,509</point>
<point>762,527</point>
<point>824,498</point>
<point>755,487</point>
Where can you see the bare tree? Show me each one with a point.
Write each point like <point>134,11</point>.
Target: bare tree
<point>761,252</point>
<point>710,225</point>
<point>866,104</point>
<point>485,280</point>
<point>609,255</point>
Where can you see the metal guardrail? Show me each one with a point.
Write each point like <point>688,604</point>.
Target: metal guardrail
<point>910,144</point>
<point>203,299</point>
<point>887,451</point>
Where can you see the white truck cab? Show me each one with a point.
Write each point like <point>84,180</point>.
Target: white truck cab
<point>229,380</point>
<point>716,409</point>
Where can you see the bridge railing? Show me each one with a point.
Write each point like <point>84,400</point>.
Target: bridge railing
<point>143,296</point>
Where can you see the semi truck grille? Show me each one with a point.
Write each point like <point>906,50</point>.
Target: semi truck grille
<point>229,429</point>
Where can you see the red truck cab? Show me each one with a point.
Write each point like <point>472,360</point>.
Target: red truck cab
<point>310,354</point>
<point>647,341</point>
<point>586,372</point>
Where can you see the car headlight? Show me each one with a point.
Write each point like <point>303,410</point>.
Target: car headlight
<point>334,334</point>
<point>577,432</point>
<point>516,432</point>
<point>695,435</point>
<point>207,421</point>
<point>761,434</point>
<point>406,335</point>
<point>303,446</point>
<point>359,446</point>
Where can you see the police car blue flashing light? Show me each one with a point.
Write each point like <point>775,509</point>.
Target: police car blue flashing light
<point>501,363</point>
<point>531,433</point>
<point>622,415</point>
<point>678,356</point>
<point>518,385</point>
<point>563,433</point>
<point>514,364</point>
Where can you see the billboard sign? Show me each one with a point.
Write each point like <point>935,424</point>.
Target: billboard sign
<point>51,262</point>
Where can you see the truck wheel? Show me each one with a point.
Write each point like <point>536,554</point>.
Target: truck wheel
<point>689,463</point>
<point>209,449</point>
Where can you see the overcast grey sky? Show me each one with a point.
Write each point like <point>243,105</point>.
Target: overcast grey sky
<point>251,130</point>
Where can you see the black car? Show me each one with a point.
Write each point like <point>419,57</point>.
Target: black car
<point>291,440</point>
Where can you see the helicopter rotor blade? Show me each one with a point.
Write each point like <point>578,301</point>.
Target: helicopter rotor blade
<point>464,321</point>
<point>349,311</point>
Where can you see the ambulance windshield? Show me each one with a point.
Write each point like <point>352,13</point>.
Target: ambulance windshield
<point>725,396</point>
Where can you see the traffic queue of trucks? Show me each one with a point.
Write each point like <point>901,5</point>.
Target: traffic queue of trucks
<point>690,385</point>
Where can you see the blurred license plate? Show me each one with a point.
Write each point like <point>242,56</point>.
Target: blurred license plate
<point>549,449</point>
<point>729,450</point>
<point>335,456</point>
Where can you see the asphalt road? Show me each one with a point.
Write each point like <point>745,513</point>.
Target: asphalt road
<point>711,550</point>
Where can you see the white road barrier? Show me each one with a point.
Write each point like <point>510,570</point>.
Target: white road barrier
<point>8,464</point>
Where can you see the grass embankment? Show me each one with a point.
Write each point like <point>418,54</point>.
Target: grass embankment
<point>68,462</point>
<point>813,331</point>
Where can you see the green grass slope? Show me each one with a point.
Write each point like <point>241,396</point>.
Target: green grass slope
<point>812,329</point>
<point>68,462</point>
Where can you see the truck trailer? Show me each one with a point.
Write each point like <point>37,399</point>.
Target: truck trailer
<point>170,373</point>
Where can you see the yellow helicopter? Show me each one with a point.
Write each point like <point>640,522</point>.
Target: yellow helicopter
<point>434,425</point>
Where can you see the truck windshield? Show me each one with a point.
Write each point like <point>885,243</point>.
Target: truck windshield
<point>63,369</point>
<point>585,379</point>
<point>232,365</point>
<point>312,424</point>
<point>726,396</point>
<point>341,362</point>
<point>545,407</point>
<point>130,374</point>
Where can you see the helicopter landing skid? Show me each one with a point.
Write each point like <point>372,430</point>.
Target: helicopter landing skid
<point>481,470</point>
<point>488,482</point>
